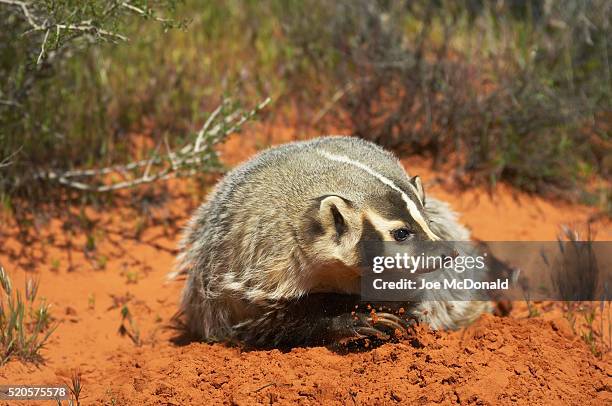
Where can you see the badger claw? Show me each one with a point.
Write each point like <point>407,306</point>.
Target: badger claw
<point>391,321</point>
<point>382,326</point>
<point>363,332</point>
<point>387,323</point>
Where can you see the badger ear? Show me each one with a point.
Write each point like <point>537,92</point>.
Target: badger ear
<point>335,213</point>
<point>418,185</point>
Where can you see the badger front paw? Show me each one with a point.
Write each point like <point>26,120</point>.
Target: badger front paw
<point>377,326</point>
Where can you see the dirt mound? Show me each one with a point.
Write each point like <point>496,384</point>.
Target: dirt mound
<point>498,360</point>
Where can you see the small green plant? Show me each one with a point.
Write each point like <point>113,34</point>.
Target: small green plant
<point>55,264</point>
<point>75,388</point>
<point>128,326</point>
<point>603,304</point>
<point>24,323</point>
<point>132,277</point>
<point>111,395</point>
<point>91,301</point>
<point>589,335</point>
<point>594,336</point>
<point>90,245</point>
<point>533,311</point>
<point>102,261</point>
<point>597,347</point>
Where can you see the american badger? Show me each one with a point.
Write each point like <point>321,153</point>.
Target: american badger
<point>272,258</point>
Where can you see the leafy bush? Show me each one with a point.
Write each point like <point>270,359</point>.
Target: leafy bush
<point>513,90</point>
<point>52,96</point>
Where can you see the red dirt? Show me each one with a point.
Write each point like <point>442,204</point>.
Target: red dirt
<point>537,360</point>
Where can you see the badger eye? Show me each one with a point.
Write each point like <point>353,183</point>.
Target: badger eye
<point>401,234</point>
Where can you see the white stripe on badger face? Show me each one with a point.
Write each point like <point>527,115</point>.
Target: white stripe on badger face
<point>410,205</point>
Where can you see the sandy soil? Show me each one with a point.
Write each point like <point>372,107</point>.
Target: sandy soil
<point>516,359</point>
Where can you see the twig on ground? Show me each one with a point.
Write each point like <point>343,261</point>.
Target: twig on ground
<point>264,387</point>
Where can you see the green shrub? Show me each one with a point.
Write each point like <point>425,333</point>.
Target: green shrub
<point>53,103</point>
<point>510,90</point>
<point>516,90</point>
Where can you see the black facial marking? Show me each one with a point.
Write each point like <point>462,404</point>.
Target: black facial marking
<point>371,243</point>
<point>395,207</point>
<point>370,233</point>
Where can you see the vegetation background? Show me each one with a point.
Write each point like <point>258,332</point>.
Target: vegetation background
<point>511,90</point>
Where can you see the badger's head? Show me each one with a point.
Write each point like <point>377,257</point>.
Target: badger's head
<point>340,226</point>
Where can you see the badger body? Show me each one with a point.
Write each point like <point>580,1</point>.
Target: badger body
<point>272,258</point>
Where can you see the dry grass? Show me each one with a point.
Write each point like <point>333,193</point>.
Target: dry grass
<point>25,324</point>
<point>577,277</point>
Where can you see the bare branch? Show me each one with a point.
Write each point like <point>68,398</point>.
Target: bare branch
<point>42,48</point>
<point>204,129</point>
<point>11,103</point>
<point>144,13</point>
<point>5,162</point>
<point>8,160</point>
<point>86,27</point>
<point>330,104</point>
<point>112,187</point>
<point>196,155</point>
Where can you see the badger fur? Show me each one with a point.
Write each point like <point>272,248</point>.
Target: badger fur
<point>272,257</point>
